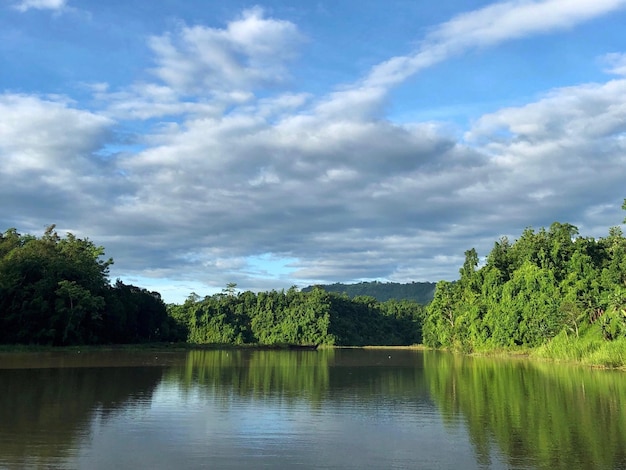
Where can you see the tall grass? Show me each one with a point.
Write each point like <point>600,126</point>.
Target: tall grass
<point>588,348</point>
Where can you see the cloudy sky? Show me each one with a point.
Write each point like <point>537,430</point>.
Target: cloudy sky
<point>289,143</point>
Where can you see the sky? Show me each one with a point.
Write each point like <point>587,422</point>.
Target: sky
<point>286,143</point>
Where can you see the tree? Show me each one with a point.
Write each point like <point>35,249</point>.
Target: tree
<point>55,290</point>
<point>500,258</point>
<point>230,288</point>
<point>440,324</point>
<point>469,267</point>
<point>74,304</point>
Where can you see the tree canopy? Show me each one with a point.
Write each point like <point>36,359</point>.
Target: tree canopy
<point>295,317</point>
<point>547,282</point>
<point>544,285</point>
<point>55,290</point>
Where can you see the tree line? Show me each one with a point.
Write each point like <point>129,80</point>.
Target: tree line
<point>548,288</point>
<point>295,317</point>
<point>55,290</point>
<point>420,292</point>
<point>547,283</point>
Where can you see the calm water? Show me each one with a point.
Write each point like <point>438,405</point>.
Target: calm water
<point>340,409</point>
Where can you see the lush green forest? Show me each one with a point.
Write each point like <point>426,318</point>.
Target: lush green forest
<point>294,317</point>
<point>420,292</point>
<point>552,290</point>
<point>55,291</point>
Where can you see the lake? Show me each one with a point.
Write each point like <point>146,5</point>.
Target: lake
<point>325,409</point>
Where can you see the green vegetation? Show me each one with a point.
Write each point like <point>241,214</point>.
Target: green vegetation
<point>55,291</point>
<point>551,293</point>
<point>293,317</point>
<point>554,292</point>
<point>420,292</point>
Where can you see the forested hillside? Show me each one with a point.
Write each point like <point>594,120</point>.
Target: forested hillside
<point>420,292</point>
<point>552,289</point>
<point>298,318</point>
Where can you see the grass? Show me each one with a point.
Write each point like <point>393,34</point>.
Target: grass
<point>589,348</point>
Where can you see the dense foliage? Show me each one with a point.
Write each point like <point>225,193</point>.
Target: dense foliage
<point>545,283</point>
<point>298,318</point>
<point>55,290</point>
<point>420,292</point>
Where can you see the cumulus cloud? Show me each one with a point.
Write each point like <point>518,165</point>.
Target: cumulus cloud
<point>35,126</point>
<point>557,150</point>
<point>48,145</point>
<point>354,199</point>
<point>251,51</point>
<point>145,101</point>
<point>25,5</point>
<point>225,181</point>
<point>204,72</point>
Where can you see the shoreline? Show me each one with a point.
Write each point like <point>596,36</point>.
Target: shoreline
<point>527,354</point>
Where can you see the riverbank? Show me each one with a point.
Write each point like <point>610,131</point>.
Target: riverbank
<point>589,349</point>
<point>585,350</point>
<point>157,346</point>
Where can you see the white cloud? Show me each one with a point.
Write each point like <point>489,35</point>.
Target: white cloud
<point>568,116</point>
<point>616,63</point>
<point>508,20</point>
<point>325,182</point>
<point>39,133</point>
<point>353,199</point>
<point>251,51</point>
<point>143,101</point>
<point>25,5</point>
<point>568,146</point>
<point>48,157</point>
<point>488,26</point>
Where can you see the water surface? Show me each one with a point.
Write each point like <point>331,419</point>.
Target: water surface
<point>344,408</point>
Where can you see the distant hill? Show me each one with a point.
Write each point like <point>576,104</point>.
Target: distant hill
<point>420,292</point>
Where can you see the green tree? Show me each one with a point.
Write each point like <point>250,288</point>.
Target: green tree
<point>55,290</point>
<point>73,305</point>
<point>441,325</point>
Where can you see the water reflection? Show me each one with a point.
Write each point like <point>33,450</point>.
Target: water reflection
<point>257,373</point>
<point>307,409</point>
<point>540,415</point>
<point>43,412</point>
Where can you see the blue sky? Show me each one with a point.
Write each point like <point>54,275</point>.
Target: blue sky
<point>281,143</point>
